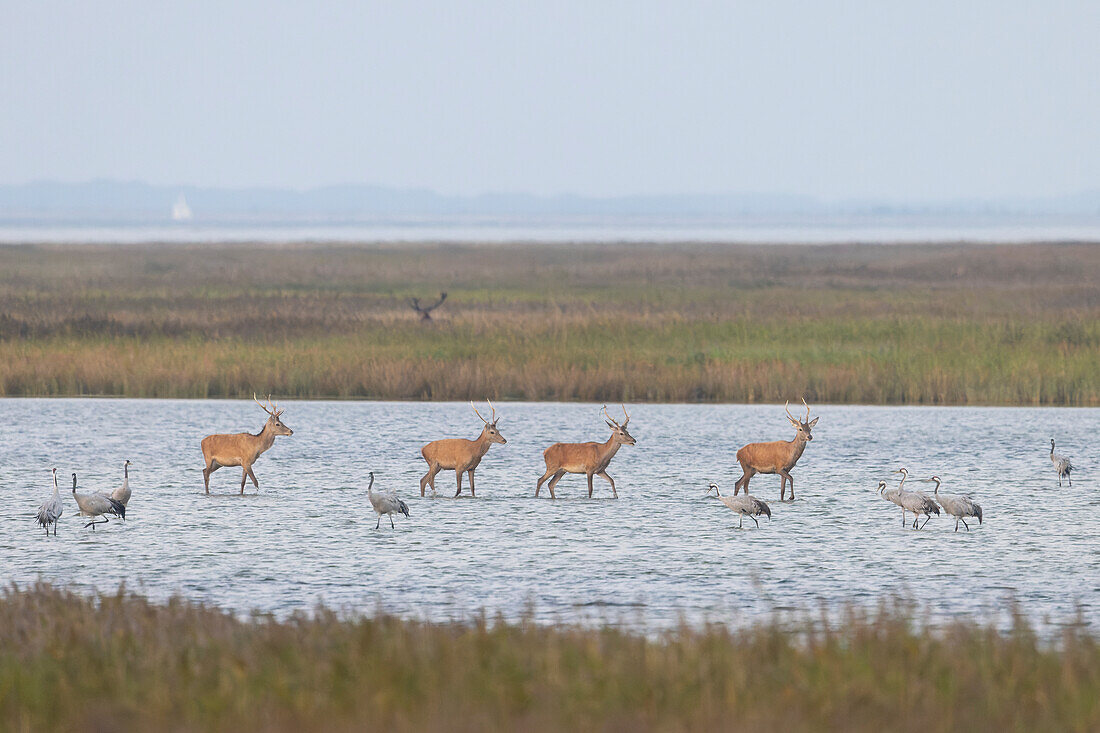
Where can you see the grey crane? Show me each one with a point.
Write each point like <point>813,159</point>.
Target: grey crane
<point>51,509</point>
<point>957,506</point>
<point>1061,464</point>
<point>97,505</point>
<point>893,495</point>
<point>915,501</point>
<point>122,493</point>
<point>385,502</point>
<point>745,505</point>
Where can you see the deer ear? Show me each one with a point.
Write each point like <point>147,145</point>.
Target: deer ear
<point>814,421</point>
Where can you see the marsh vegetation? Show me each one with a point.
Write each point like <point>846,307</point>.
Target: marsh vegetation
<point>904,324</point>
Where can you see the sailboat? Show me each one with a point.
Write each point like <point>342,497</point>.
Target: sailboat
<point>180,210</point>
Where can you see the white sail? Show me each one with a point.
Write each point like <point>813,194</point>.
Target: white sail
<point>180,210</point>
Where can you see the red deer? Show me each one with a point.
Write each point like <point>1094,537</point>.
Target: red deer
<point>591,459</point>
<point>425,311</point>
<point>460,454</point>
<point>242,449</point>
<point>776,457</point>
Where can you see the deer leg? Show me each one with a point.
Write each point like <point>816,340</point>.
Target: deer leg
<point>554,482</point>
<point>428,479</point>
<point>743,482</point>
<point>538,486</point>
<point>614,494</point>
<point>458,475</point>
<point>471,473</point>
<point>253,477</point>
<point>589,485</point>
<point>784,478</point>
<point>211,467</point>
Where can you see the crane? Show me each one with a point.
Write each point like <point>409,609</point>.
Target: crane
<point>96,505</point>
<point>385,502</point>
<point>51,509</point>
<point>745,505</point>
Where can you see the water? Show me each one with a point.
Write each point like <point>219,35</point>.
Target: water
<point>748,229</point>
<point>660,554</point>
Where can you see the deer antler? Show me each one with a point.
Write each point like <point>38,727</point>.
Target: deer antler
<point>269,411</point>
<point>807,410</point>
<point>493,409</point>
<point>627,421</point>
<point>424,311</point>
<point>608,416</point>
<point>478,413</point>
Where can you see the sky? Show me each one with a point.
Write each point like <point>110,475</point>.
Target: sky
<point>915,101</point>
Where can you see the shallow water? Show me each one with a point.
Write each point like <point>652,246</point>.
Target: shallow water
<point>659,555</point>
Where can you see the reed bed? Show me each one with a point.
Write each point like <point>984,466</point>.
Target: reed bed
<point>913,324</point>
<point>120,662</point>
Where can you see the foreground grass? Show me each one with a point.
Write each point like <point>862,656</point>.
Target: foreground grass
<point>122,663</point>
<point>854,324</point>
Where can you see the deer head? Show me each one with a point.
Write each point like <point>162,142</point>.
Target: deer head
<point>490,428</point>
<point>619,432</point>
<point>802,426</point>
<point>273,421</point>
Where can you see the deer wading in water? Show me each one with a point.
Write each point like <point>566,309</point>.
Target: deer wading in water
<point>242,449</point>
<point>459,454</point>
<point>591,459</point>
<point>777,456</point>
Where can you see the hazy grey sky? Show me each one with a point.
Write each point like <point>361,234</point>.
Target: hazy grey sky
<point>914,100</point>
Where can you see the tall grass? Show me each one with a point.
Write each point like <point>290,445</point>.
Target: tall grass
<point>898,324</point>
<point>119,662</point>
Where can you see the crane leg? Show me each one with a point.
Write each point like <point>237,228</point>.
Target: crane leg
<point>964,524</point>
<point>741,523</point>
<point>391,520</point>
<point>754,520</point>
<point>378,522</point>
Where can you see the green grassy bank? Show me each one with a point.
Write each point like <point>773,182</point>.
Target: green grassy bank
<point>898,324</point>
<point>119,662</point>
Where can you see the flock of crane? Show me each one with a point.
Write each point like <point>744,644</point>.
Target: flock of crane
<point>591,459</point>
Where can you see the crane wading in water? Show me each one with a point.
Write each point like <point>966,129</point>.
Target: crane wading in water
<point>385,502</point>
<point>97,505</point>
<point>915,501</point>
<point>957,506</point>
<point>1061,464</point>
<point>745,505</point>
<point>51,509</point>
<point>242,449</point>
